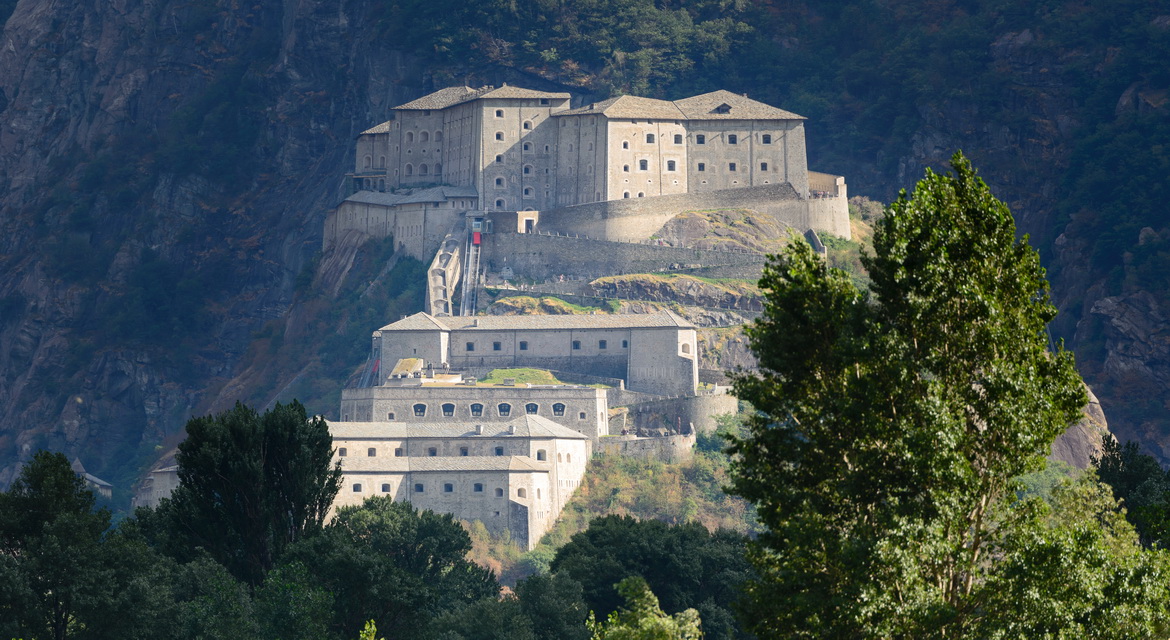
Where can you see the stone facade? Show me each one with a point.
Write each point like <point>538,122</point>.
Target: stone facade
<point>514,477</point>
<point>654,353</point>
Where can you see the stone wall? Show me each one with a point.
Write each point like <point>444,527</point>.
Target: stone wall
<point>543,257</point>
<point>671,413</point>
<point>674,448</point>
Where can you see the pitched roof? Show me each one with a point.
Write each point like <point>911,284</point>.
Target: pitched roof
<point>378,128</point>
<point>706,107</point>
<point>446,464</point>
<point>664,318</point>
<point>452,96</point>
<point>413,196</point>
<point>629,107</point>
<point>524,426</point>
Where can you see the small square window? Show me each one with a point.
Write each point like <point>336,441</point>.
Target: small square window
<point>499,451</point>
<point>499,494</point>
<point>357,488</point>
<point>433,452</point>
<point>477,487</point>
<point>678,138</point>
<point>731,166</point>
<point>523,345</point>
<point>390,415</point>
<point>576,345</point>
<point>732,138</point>
<point>763,166</point>
<point>625,344</point>
<point>499,113</point>
<point>372,452</point>
<point>470,346</point>
<point>496,346</point>
<point>767,138</point>
<point>649,138</point>
<point>543,101</point>
<point>386,488</point>
<point>702,167</point>
<point>601,344</point>
<point>418,488</point>
<point>398,452</point>
<point>700,139</point>
<point>581,416</point>
<point>342,452</point>
<point>463,451</point>
<point>448,487</point>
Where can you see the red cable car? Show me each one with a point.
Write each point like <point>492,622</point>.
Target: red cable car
<point>475,237</point>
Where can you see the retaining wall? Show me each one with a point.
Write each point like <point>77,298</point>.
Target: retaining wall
<point>675,448</point>
<point>672,412</point>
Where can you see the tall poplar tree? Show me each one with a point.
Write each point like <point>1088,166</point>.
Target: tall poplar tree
<point>891,424</point>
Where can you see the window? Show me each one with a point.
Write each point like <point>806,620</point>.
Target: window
<point>357,488</point>
<point>410,136</point>
<point>425,136</point>
<point>504,409</point>
<point>477,487</point>
<point>433,452</point>
<point>643,165</point>
<point>448,409</point>
<point>448,487</point>
<point>731,166</point>
<point>527,125</point>
<point>625,344</point>
<point>476,410</point>
<point>420,410</point>
<point>670,165</point>
<point>544,101</point>
<point>496,346</point>
<point>521,493</point>
<point>386,487</point>
<point>438,136</point>
<point>625,194</point>
<point>700,139</point>
<point>541,455</point>
<point>678,138</point>
<point>499,135</point>
<point>686,348</point>
<point>423,170</point>
<point>463,451</point>
<point>649,138</point>
<point>732,138</point>
<point>470,346</point>
<point>500,182</point>
<point>576,345</point>
<point>601,344</point>
<point>763,166</point>
<point>626,168</point>
<point>702,167</point>
<point>528,192</point>
<point>499,494</point>
<point>372,452</point>
<point>499,159</point>
<point>767,138</point>
<point>398,452</point>
<point>341,452</point>
<point>499,204</point>
<point>641,194</point>
<point>499,451</point>
<point>438,168</point>
<point>499,113</point>
<point>409,169</point>
<point>531,408</point>
<point>523,345</point>
<point>527,169</point>
<point>538,494</point>
<point>581,416</point>
<point>418,488</point>
<point>367,162</point>
<point>625,144</point>
<point>527,147</point>
<point>568,457</point>
<point>559,409</point>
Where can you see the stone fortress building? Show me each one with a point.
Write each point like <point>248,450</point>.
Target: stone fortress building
<point>462,152</point>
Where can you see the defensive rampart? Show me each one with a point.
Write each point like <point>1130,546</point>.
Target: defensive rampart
<point>677,414</point>
<point>673,448</point>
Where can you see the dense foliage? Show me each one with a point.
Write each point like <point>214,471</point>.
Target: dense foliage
<point>891,427</point>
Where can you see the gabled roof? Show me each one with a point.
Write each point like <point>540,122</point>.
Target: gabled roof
<point>523,426</point>
<point>735,107</point>
<point>664,318</point>
<point>378,128</point>
<point>452,96</point>
<point>414,196</point>
<point>441,464</point>
<point>631,107</point>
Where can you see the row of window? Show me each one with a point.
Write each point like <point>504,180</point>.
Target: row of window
<point>499,346</point>
<point>450,488</point>
<point>731,166</point>
<point>424,136</point>
<point>433,452</point>
<point>424,170</point>
<point>503,409</point>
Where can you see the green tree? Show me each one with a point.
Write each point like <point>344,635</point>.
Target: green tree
<point>890,426</point>
<point>685,565</point>
<point>250,485</point>
<point>1139,482</point>
<point>643,619</point>
<point>386,561</point>
<point>554,604</point>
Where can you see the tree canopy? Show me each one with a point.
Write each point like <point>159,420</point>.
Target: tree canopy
<point>891,424</point>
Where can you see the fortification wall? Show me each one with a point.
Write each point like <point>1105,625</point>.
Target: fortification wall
<point>673,448</point>
<point>672,413</point>
<point>541,257</point>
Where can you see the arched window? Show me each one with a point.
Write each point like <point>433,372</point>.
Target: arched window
<point>438,136</point>
<point>500,182</point>
<point>527,125</point>
<point>409,169</point>
<point>504,409</point>
<point>643,165</point>
<point>381,184</point>
<point>581,416</point>
<point>499,204</point>
<point>568,457</point>
<point>559,409</point>
<point>464,452</point>
<point>767,138</point>
<point>649,138</point>
<point>531,408</point>
<point>410,136</point>
<point>521,493</point>
<point>423,170</point>
<point>499,135</point>
<point>678,138</point>
<point>527,169</point>
<point>499,113</point>
<point>438,168</point>
<point>390,415</point>
<point>448,409</point>
<point>499,159</point>
<point>386,487</point>
<point>541,455</point>
<point>686,348</point>
<point>625,144</point>
<point>527,192</point>
<point>626,168</point>
<point>570,147</point>
<point>732,138</point>
<point>372,452</point>
<point>625,194</point>
<point>425,136</point>
<point>670,165</point>
<point>700,139</point>
<point>367,162</point>
<point>499,493</point>
<point>641,194</point>
<point>527,146</point>
<point>420,410</point>
<point>476,410</point>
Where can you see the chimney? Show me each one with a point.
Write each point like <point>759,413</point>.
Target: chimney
<point>475,322</point>
<point>479,429</point>
<point>512,429</point>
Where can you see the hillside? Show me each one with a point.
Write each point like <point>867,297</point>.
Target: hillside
<point>165,169</point>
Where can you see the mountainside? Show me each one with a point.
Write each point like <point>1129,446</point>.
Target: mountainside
<point>165,168</point>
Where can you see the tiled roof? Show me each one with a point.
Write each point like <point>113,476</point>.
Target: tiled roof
<point>452,96</point>
<point>631,107</point>
<point>524,426</point>
<point>390,464</point>
<point>705,107</point>
<point>417,322</point>
<point>378,128</point>
<point>414,196</point>
<point>568,321</point>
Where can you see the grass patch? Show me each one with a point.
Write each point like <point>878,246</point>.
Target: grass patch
<point>522,376</point>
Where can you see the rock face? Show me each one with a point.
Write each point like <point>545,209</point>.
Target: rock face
<point>1083,441</point>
